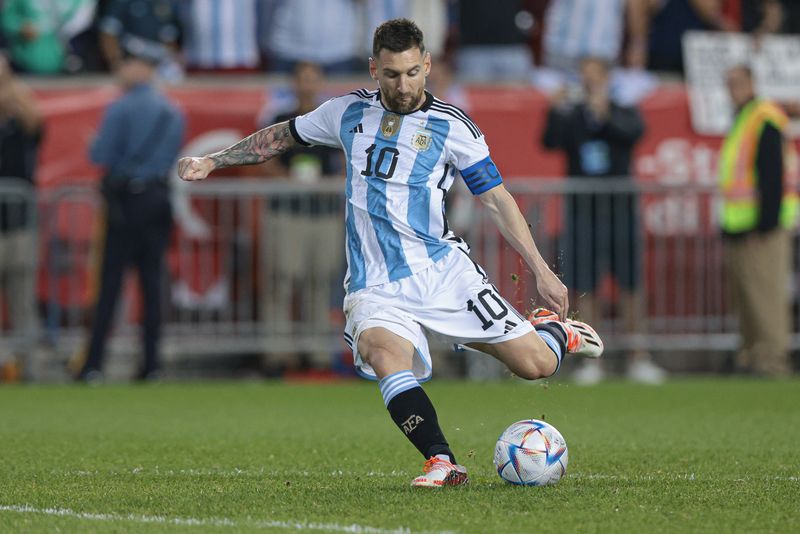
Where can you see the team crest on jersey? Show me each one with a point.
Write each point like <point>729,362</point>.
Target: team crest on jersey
<point>422,140</point>
<point>390,124</point>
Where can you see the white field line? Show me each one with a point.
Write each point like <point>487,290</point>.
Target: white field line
<point>206,522</point>
<point>262,472</point>
<point>236,472</point>
<point>680,476</point>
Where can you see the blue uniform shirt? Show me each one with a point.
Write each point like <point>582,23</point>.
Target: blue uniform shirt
<point>129,124</point>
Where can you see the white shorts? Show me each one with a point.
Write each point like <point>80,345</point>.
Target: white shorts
<point>452,301</point>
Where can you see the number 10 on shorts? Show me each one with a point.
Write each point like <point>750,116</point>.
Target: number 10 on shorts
<point>488,308</point>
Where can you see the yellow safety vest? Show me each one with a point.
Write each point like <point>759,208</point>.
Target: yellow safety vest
<point>738,177</point>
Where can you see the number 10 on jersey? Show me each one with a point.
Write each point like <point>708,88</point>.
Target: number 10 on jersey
<point>380,162</point>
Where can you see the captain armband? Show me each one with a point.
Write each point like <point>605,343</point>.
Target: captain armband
<point>482,176</point>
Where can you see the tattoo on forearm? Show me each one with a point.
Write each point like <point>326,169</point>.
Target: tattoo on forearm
<point>256,148</point>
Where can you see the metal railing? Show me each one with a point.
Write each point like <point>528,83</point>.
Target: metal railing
<point>18,259</point>
<point>651,248</point>
<point>257,265</point>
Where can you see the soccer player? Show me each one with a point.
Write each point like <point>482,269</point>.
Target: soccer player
<point>408,276</point>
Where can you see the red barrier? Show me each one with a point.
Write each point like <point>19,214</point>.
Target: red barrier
<point>511,118</point>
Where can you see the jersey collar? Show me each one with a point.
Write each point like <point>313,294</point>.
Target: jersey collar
<point>426,104</point>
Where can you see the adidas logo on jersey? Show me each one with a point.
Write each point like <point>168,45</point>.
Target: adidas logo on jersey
<point>357,129</point>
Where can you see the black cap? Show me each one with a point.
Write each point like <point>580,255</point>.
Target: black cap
<point>142,49</point>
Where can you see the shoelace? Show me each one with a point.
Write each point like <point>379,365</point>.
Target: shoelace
<point>430,463</point>
<point>541,313</point>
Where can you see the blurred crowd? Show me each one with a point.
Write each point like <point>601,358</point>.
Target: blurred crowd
<point>569,48</point>
<point>485,41</point>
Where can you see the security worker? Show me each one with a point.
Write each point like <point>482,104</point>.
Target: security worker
<point>758,184</point>
<point>137,145</point>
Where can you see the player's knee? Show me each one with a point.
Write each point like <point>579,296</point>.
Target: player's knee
<point>376,355</point>
<point>384,351</point>
<point>537,365</point>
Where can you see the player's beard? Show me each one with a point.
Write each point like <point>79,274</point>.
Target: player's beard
<point>397,104</point>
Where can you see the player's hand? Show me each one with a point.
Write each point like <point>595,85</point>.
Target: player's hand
<point>192,169</point>
<point>553,292</point>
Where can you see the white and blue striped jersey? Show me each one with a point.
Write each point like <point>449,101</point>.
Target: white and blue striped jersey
<point>575,29</point>
<point>221,34</point>
<point>399,168</point>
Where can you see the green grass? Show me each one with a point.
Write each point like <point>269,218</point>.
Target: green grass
<point>700,456</point>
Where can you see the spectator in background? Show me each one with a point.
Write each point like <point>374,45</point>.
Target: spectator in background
<point>20,136</point>
<point>430,15</point>
<point>598,137</point>
<point>220,34</point>
<point>303,235</point>
<point>670,19</point>
<point>442,82</point>
<point>758,181</point>
<point>493,41</point>
<point>3,37</point>
<point>136,146</point>
<point>151,23</point>
<point>770,16</point>
<point>574,30</point>
<point>791,16</point>
<point>85,53</point>
<point>761,16</point>
<point>765,17</point>
<point>39,31</point>
<point>326,33</point>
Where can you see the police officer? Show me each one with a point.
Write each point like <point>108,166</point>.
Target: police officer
<point>136,146</point>
<point>758,185</point>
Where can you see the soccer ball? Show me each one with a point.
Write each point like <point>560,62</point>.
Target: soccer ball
<point>531,453</point>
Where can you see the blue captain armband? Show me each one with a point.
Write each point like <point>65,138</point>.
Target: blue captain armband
<point>482,176</point>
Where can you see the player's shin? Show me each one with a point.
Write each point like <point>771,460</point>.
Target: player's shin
<point>413,412</point>
<point>556,340</point>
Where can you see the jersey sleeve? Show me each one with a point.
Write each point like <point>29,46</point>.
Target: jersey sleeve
<point>320,126</point>
<point>471,157</point>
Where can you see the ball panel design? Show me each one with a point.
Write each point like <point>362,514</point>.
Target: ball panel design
<point>531,452</point>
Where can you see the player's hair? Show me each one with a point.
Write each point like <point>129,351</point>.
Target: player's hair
<point>397,35</point>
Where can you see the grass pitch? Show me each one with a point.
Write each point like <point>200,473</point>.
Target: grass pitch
<point>699,455</point>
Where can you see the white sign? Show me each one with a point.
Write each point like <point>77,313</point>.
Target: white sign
<point>774,60</point>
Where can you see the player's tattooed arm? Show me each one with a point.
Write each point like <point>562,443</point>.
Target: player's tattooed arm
<point>256,148</point>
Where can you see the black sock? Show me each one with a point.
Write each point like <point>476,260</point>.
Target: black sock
<point>413,412</point>
<point>557,332</point>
